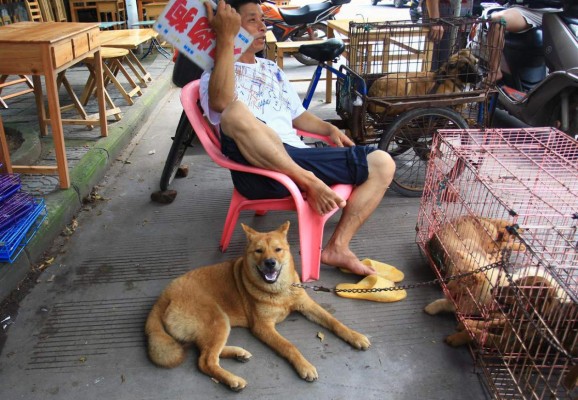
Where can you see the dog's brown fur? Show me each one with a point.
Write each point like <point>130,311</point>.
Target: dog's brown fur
<point>465,244</point>
<point>254,291</point>
<point>453,75</point>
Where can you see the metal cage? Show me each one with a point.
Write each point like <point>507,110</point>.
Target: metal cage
<point>522,315</point>
<point>393,67</point>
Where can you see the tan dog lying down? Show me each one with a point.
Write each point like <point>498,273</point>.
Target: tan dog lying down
<point>460,69</point>
<point>254,291</point>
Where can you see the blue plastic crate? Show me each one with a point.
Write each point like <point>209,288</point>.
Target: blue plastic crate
<point>14,238</point>
<point>14,208</point>
<point>9,184</point>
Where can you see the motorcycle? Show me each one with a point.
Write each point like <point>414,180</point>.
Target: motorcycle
<point>396,3</point>
<point>304,23</point>
<point>540,71</point>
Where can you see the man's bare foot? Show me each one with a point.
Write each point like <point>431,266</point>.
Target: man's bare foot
<point>321,197</point>
<point>345,259</point>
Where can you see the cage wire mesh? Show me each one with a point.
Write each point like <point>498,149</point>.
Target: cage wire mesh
<point>509,197</point>
<point>394,67</point>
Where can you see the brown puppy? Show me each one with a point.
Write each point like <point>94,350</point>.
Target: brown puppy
<point>460,69</point>
<point>463,245</point>
<point>254,291</point>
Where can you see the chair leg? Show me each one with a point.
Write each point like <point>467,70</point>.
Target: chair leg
<point>311,241</point>
<point>231,221</point>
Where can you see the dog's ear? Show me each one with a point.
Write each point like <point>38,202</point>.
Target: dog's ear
<point>250,232</point>
<point>284,228</point>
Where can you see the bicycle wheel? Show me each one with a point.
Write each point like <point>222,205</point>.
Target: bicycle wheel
<point>181,142</point>
<point>408,140</point>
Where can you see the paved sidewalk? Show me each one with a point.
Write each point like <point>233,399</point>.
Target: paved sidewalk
<point>89,155</point>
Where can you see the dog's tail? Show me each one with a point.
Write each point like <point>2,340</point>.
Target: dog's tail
<point>163,349</point>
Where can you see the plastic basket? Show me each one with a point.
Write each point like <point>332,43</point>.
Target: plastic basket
<point>9,184</point>
<point>15,237</point>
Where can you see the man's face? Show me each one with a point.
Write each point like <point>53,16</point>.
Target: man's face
<point>252,20</point>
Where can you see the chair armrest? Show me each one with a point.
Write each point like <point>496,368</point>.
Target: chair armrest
<point>322,138</point>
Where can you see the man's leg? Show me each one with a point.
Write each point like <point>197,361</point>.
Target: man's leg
<point>363,201</point>
<point>262,148</point>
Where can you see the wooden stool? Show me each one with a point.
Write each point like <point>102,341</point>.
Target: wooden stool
<point>112,64</point>
<point>78,105</point>
<point>5,83</point>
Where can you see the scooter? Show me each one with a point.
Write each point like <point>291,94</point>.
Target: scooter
<point>305,23</point>
<point>540,72</point>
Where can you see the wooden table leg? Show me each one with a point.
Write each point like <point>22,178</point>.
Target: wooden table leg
<point>4,151</point>
<point>56,125</point>
<point>100,93</point>
<point>39,99</point>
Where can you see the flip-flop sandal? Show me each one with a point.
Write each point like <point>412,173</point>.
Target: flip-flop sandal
<point>372,282</point>
<point>384,270</point>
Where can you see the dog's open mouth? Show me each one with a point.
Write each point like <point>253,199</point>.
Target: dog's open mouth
<point>270,270</point>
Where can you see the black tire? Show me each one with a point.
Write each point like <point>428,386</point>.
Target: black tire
<point>398,3</point>
<point>319,32</point>
<point>182,140</point>
<point>374,2</point>
<point>415,128</point>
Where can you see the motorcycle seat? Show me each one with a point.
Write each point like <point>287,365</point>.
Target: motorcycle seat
<point>531,40</point>
<point>325,51</point>
<point>304,15</point>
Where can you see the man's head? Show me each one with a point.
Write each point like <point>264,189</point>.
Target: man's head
<point>252,20</point>
<point>236,4</point>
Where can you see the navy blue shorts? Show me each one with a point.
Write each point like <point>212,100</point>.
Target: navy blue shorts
<point>330,164</point>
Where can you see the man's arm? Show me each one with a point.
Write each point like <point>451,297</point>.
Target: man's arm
<point>311,123</point>
<point>226,24</point>
<point>433,11</point>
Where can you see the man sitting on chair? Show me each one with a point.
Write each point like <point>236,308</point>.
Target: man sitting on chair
<point>258,111</point>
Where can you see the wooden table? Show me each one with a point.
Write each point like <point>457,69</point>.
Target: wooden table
<point>47,48</point>
<point>130,39</point>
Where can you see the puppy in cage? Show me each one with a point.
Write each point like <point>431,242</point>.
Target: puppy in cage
<point>453,76</point>
<point>466,244</point>
<point>535,314</point>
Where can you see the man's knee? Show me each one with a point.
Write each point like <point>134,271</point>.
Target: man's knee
<point>236,118</point>
<point>381,165</point>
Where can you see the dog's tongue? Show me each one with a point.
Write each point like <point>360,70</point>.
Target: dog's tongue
<point>271,277</point>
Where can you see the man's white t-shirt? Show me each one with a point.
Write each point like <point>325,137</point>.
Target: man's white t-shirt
<point>265,89</point>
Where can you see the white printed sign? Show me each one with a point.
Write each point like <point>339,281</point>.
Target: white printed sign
<point>185,25</point>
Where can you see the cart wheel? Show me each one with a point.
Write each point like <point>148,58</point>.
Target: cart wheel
<point>408,140</point>
<point>181,142</point>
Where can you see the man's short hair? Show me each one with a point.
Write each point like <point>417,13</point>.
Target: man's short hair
<point>236,4</point>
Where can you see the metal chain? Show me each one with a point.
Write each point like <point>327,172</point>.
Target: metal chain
<point>402,287</point>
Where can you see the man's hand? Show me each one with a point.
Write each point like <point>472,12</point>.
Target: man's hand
<point>340,139</point>
<point>226,22</point>
<point>436,33</point>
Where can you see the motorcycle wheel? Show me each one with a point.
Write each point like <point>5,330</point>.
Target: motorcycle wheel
<point>182,140</point>
<point>319,32</point>
<point>398,3</point>
<point>374,2</point>
<point>408,140</point>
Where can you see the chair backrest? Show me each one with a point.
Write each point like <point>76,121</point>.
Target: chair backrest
<point>210,142</point>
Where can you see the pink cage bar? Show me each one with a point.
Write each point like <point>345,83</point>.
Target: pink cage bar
<point>522,315</point>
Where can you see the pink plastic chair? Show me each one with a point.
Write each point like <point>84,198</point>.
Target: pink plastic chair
<point>310,222</point>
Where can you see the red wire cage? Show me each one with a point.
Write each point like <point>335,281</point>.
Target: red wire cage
<point>522,314</point>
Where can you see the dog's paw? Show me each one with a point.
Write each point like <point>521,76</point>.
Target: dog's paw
<point>458,339</point>
<point>431,309</point>
<point>237,384</point>
<point>244,357</point>
<point>359,341</point>
<point>307,371</point>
